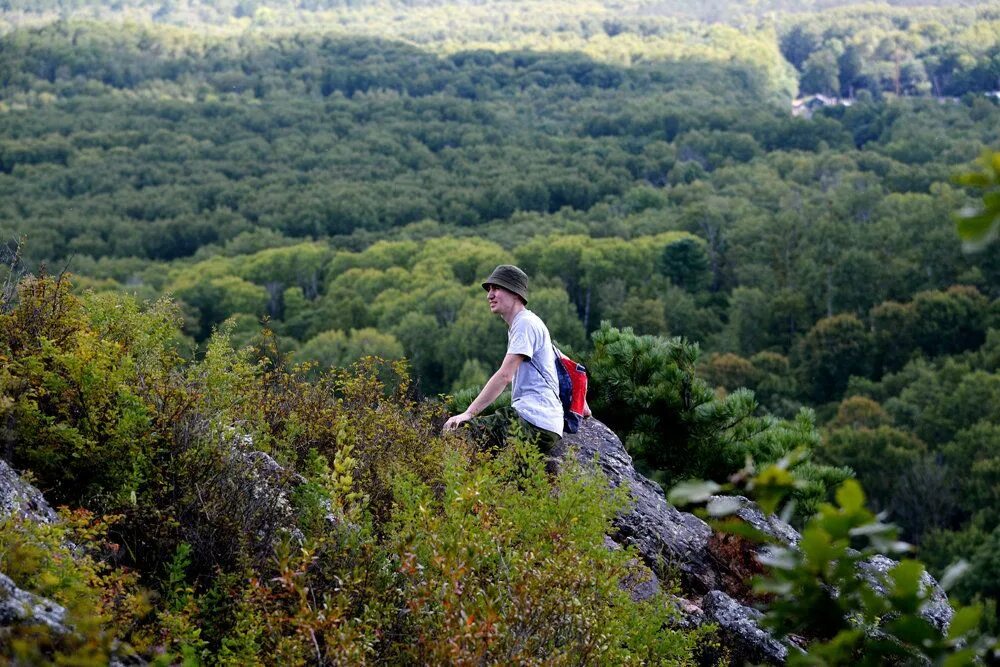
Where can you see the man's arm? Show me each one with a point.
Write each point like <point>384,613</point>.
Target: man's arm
<point>493,388</point>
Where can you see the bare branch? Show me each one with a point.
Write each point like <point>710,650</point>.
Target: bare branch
<point>10,259</point>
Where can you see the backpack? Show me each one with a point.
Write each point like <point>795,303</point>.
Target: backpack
<point>572,390</point>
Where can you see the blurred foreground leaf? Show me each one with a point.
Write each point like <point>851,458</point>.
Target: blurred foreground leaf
<point>978,224</point>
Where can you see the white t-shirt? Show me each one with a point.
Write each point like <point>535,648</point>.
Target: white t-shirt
<point>535,394</point>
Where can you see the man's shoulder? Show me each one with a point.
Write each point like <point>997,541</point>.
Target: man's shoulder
<point>529,316</point>
<point>527,320</point>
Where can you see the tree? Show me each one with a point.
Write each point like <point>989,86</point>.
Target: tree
<point>820,74</point>
<point>833,350</point>
<point>950,321</point>
<point>337,349</point>
<point>881,457</point>
<point>749,320</point>
<point>975,451</point>
<point>857,412</point>
<point>279,268</point>
<point>892,332</point>
<point>730,371</point>
<point>646,388</point>
<point>422,339</point>
<point>215,299</point>
<point>644,316</point>
<point>685,263</point>
<point>798,44</point>
<point>552,304</point>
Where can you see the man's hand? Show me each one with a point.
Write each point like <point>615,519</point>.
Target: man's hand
<point>456,421</point>
<point>493,388</point>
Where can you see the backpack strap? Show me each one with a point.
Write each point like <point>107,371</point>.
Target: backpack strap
<point>531,360</point>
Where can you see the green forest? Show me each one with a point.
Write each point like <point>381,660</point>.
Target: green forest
<point>250,197</point>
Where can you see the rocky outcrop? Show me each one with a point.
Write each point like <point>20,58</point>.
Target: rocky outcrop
<point>18,607</point>
<point>936,610</point>
<point>21,498</point>
<point>747,642</point>
<point>243,505</point>
<point>663,536</point>
<point>713,567</point>
<point>670,540</point>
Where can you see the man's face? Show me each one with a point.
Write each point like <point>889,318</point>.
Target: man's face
<point>501,301</point>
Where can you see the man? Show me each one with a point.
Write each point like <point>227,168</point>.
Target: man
<point>530,363</point>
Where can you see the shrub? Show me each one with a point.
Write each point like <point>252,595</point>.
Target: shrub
<point>504,565</point>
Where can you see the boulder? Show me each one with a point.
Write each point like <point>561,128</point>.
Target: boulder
<point>19,497</point>
<point>243,504</point>
<point>769,524</point>
<point>741,633</point>
<point>936,611</point>
<point>666,537</point>
<point>663,535</point>
<point>18,607</point>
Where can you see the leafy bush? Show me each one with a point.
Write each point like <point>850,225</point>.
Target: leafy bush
<point>815,591</point>
<point>505,565</point>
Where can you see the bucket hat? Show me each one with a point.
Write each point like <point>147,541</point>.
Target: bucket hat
<point>511,278</point>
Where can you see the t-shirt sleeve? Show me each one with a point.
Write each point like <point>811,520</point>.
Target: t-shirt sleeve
<point>521,340</point>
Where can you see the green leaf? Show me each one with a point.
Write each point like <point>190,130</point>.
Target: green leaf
<point>850,497</point>
<point>973,180</point>
<point>871,529</point>
<point>954,572</point>
<point>912,629</point>
<point>769,586</point>
<point>964,621</point>
<point>691,492</point>
<point>778,559</point>
<point>906,579</point>
<point>816,545</point>
<point>961,658</point>
<point>974,223</point>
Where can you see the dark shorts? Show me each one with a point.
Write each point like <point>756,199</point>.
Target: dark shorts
<point>494,428</point>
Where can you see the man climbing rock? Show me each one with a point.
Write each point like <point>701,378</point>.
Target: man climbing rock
<point>530,363</point>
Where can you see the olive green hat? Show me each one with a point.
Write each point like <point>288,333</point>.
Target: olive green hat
<point>510,278</point>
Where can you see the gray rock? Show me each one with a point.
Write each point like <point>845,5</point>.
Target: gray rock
<point>663,536</point>
<point>770,525</point>
<point>738,624</point>
<point>642,584</point>
<point>691,614</point>
<point>936,611</point>
<point>17,496</point>
<point>250,494</point>
<point>18,607</point>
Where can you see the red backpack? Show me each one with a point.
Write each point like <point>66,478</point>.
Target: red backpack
<point>572,391</point>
